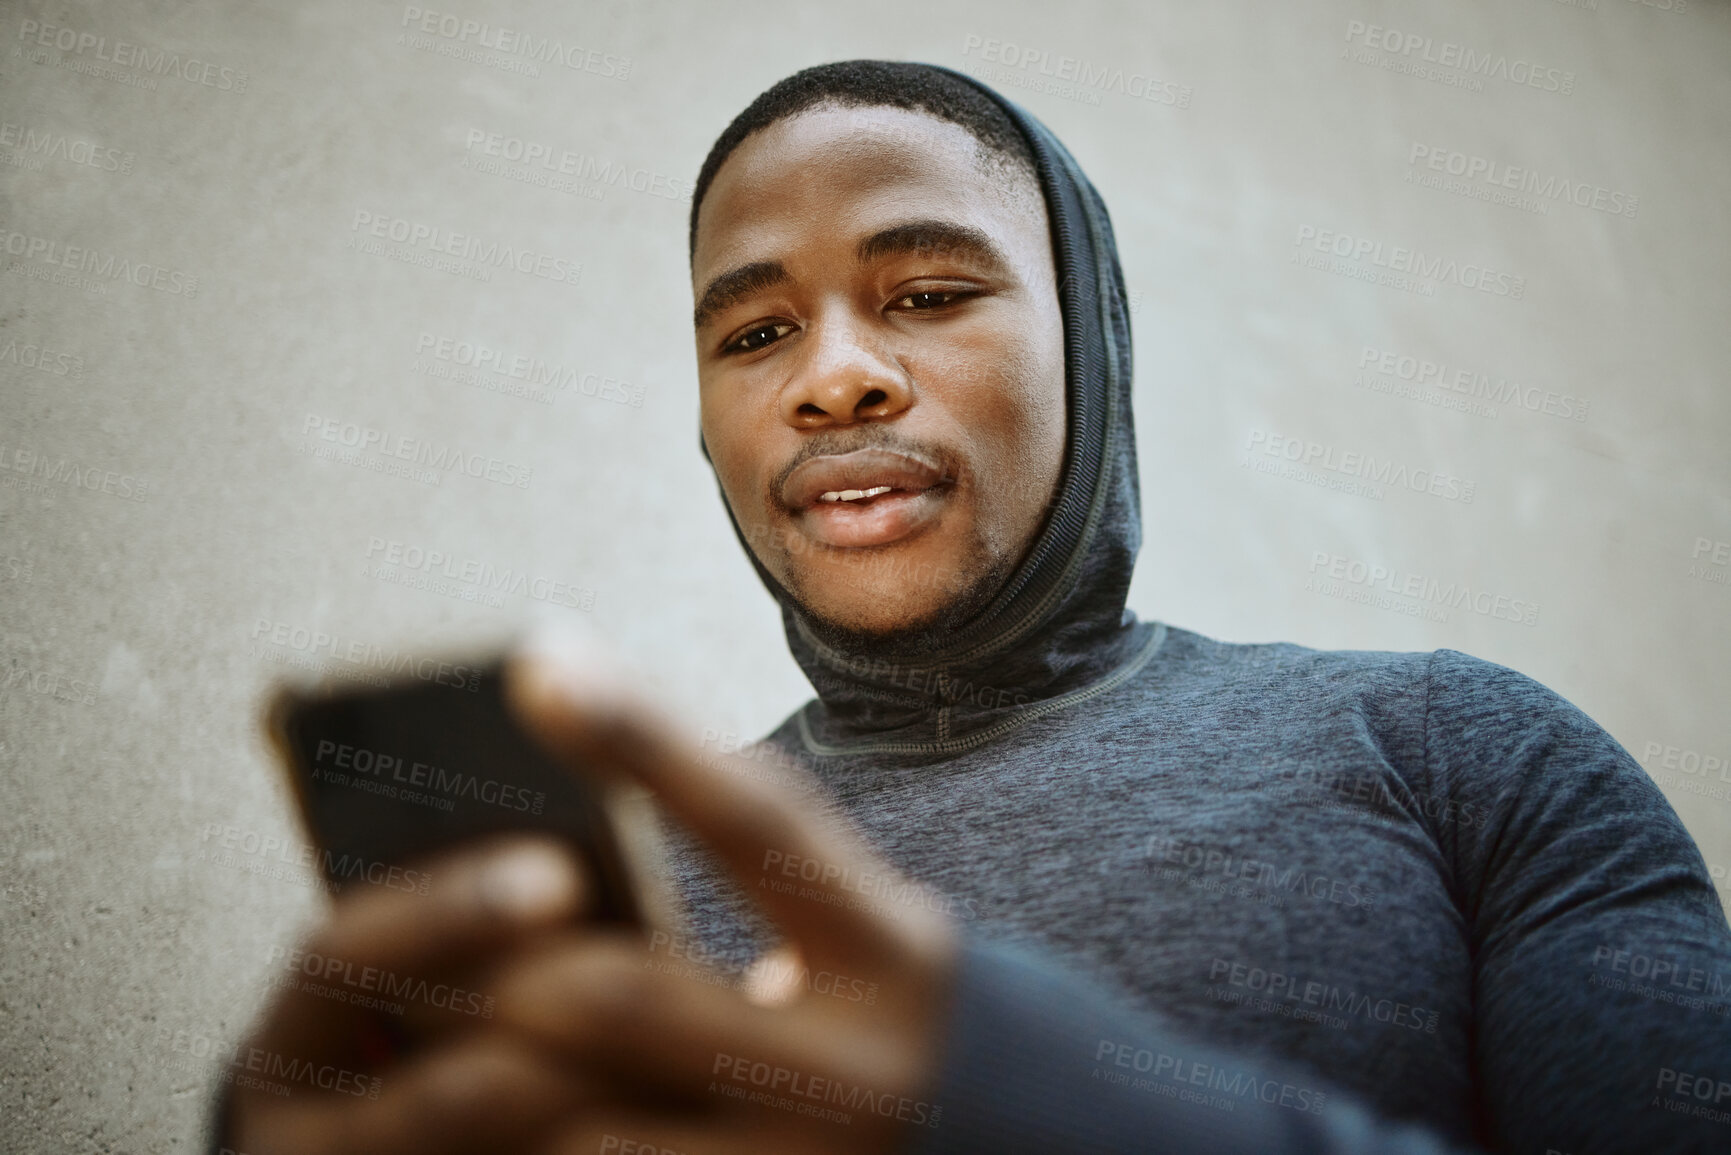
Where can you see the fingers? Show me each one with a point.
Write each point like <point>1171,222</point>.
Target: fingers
<point>489,1094</point>
<point>815,877</point>
<point>481,901</point>
<point>773,980</point>
<point>480,897</point>
<point>589,997</point>
<point>626,1133</point>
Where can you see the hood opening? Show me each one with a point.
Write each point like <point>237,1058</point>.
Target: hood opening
<point>1058,625</point>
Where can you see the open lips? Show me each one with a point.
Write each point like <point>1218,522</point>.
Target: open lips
<point>854,494</point>
<point>864,498</point>
<point>857,476</point>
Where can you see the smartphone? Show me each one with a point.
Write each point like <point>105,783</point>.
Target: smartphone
<point>388,777</point>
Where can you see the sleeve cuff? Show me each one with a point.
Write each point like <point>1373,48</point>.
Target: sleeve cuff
<point>1037,1061</point>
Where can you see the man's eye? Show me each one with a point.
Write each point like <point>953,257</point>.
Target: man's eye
<point>758,336</point>
<point>931,299</point>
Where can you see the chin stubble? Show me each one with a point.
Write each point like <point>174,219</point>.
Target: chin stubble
<point>967,591</point>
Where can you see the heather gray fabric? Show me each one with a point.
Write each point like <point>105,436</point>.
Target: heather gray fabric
<point>1420,879</point>
<point>1070,1071</point>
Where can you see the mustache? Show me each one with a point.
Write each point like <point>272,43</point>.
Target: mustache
<point>834,442</point>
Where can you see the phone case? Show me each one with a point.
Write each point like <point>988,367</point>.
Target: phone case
<point>386,778</point>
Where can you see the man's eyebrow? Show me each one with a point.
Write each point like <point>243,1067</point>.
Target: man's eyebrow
<point>933,238</point>
<point>734,285</point>
<point>913,238</point>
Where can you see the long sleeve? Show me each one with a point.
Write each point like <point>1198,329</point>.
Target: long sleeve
<point>1602,958</point>
<point>1596,973</point>
<point>1035,1060</point>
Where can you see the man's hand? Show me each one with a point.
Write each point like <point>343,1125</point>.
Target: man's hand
<point>594,1044</point>
<point>466,1085</point>
<point>700,1067</point>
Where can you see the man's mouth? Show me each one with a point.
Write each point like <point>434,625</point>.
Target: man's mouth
<point>865,498</point>
<point>855,494</point>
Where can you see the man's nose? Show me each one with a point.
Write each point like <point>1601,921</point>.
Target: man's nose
<point>846,377</point>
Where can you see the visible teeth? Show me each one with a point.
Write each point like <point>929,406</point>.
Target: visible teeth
<point>853,494</point>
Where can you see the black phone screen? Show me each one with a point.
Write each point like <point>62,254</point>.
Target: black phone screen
<point>391,776</point>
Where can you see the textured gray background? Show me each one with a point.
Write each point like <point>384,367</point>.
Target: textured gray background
<point>137,634</point>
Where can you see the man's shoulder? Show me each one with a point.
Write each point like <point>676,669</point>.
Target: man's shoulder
<point>1195,654</point>
<point>1449,680</point>
<point>1467,725</point>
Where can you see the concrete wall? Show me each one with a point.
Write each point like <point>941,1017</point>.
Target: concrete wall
<point>188,193</point>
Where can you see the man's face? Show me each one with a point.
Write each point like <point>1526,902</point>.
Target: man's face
<point>881,361</point>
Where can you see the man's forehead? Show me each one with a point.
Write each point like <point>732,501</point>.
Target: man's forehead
<point>884,163</point>
<point>880,124</point>
<point>885,122</point>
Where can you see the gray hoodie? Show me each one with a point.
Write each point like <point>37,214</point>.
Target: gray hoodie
<point>1255,897</point>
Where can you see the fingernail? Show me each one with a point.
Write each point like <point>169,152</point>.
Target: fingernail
<point>528,882</point>
<point>577,665</point>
